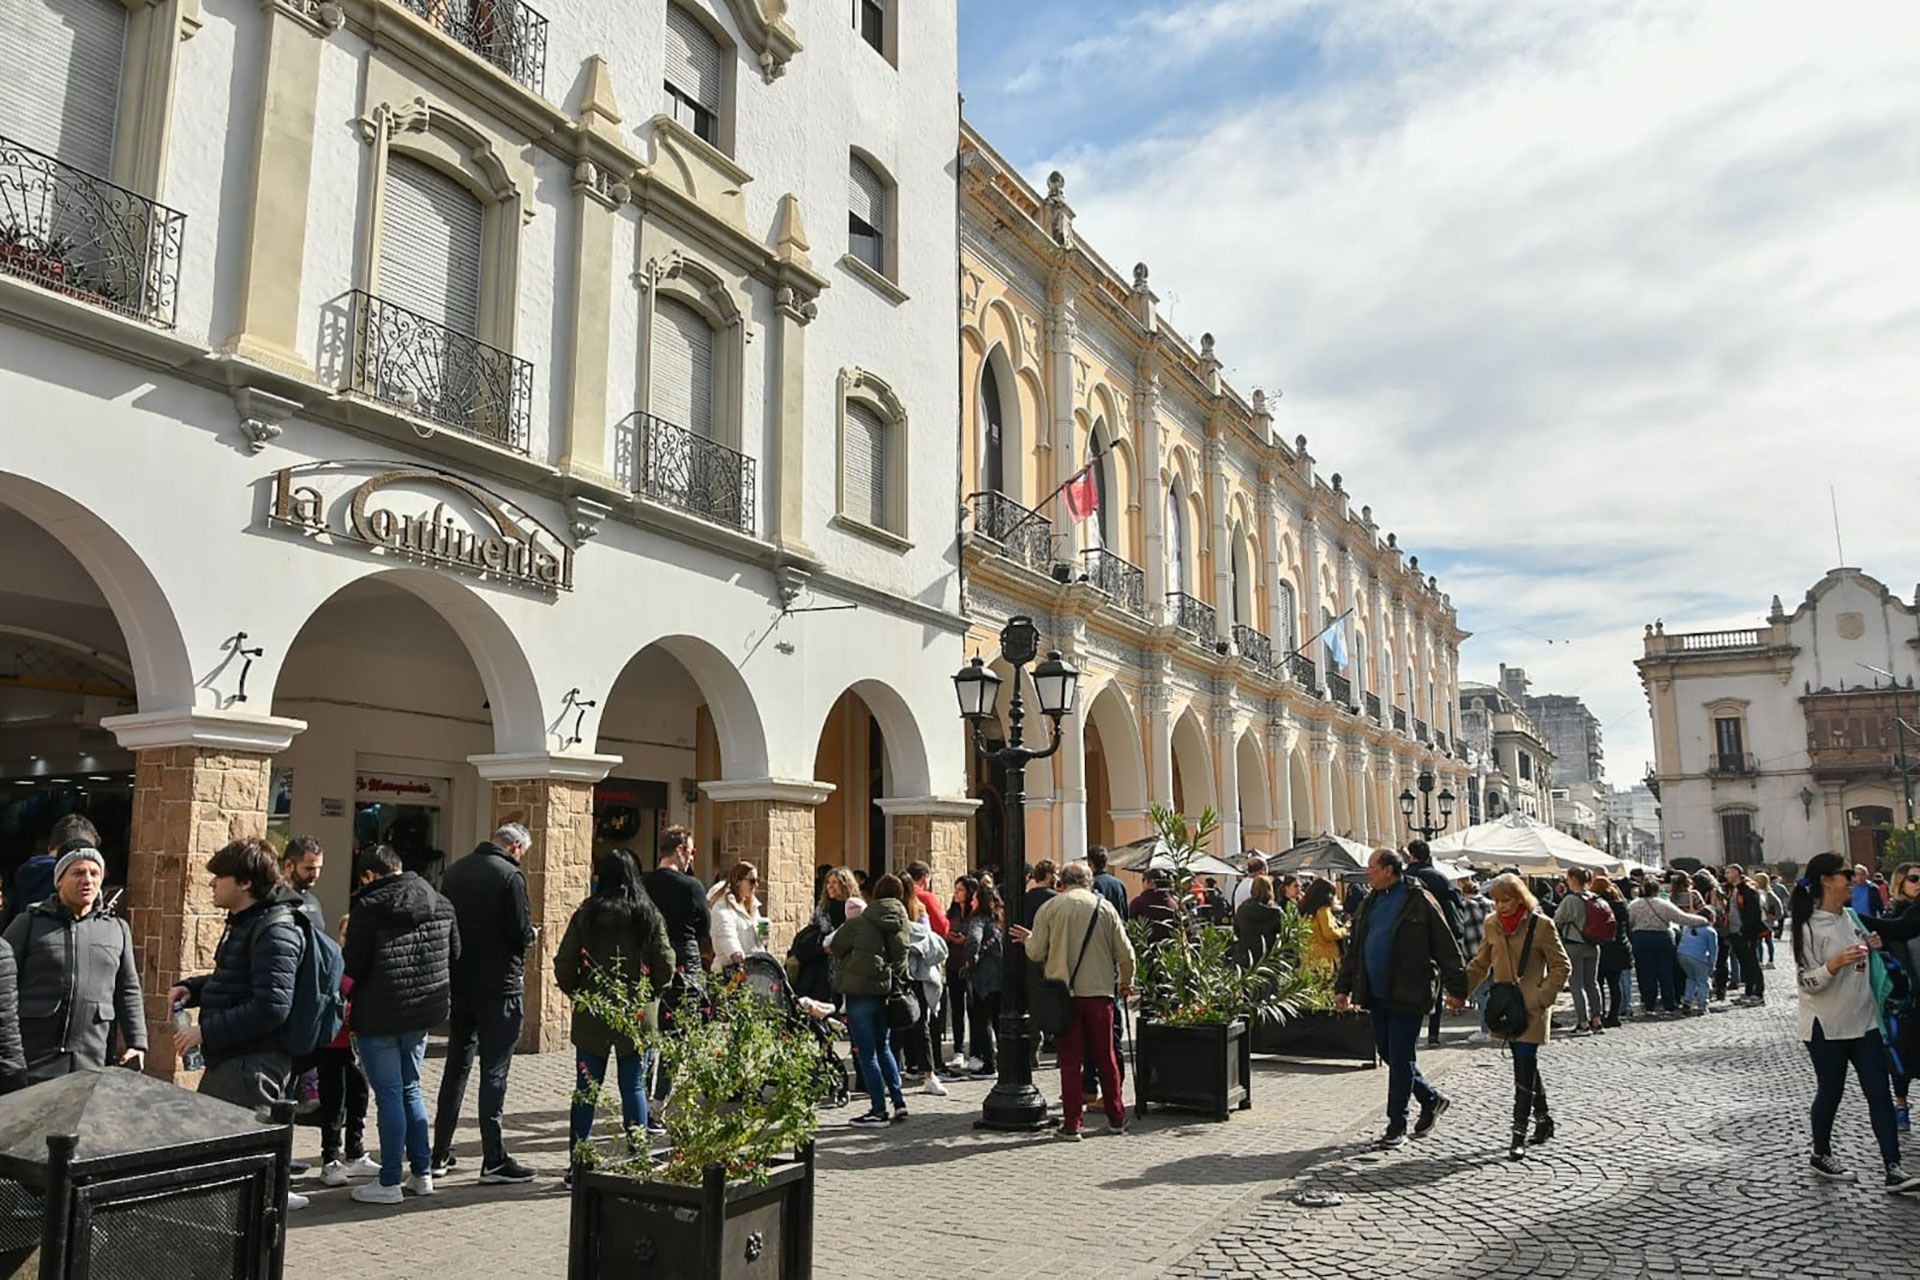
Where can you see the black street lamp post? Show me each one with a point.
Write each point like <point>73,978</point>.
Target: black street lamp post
<point>1426,828</point>
<point>1014,1103</point>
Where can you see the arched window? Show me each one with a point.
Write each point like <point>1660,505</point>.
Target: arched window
<point>1176,543</point>
<point>993,472</point>
<point>682,372</point>
<point>430,245</point>
<point>1099,531</point>
<point>1289,618</point>
<point>1242,585</point>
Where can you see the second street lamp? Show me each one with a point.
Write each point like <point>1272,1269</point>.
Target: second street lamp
<point>1014,1103</point>
<point>1427,828</point>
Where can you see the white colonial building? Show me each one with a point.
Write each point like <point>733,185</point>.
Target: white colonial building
<point>422,413</point>
<point>1778,742</point>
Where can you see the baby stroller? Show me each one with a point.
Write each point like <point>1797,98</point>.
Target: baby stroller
<point>766,978</point>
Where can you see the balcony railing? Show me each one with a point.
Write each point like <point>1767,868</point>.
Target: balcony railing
<point>1303,673</point>
<point>1420,732</point>
<point>1373,707</point>
<point>66,230</point>
<point>1024,536</point>
<point>1698,640</point>
<point>1400,719</point>
<point>1191,616</point>
<point>669,464</point>
<point>1856,731</point>
<point>1125,583</point>
<point>1732,764</point>
<point>1440,742</point>
<point>1253,645</point>
<point>506,33</point>
<point>403,359</point>
<point>1340,689</point>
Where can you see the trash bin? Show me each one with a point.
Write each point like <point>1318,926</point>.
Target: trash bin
<point>116,1176</point>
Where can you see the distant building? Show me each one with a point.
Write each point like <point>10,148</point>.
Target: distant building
<point>1632,820</point>
<point>1494,721</point>
<point>1571,730</point>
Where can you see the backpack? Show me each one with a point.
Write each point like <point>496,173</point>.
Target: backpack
<point>319,1007</point>
<point>1507,1013</point>
<point>1599,927</point>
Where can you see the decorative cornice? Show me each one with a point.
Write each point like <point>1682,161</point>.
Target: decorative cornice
<point>207,730</point>
<point>789,790</point>
<point>928,806</point>
<point>533,766</point>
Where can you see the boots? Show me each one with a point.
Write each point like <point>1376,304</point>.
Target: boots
<point>1542,1129</point>
<point>1517,1150</point>
<point>1522,1107</point>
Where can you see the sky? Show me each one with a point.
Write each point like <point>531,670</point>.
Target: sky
<point>1592,302</point>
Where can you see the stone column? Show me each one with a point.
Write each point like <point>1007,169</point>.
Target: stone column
<point>1323,783</point>
<point>1280,739</point>
<point>1153,498</point>
<point>1070,790</point>
<point>1310,596</point>
<point>769,822</point>
<point>933,830</point>
<point>597,193</point>
<point>551,795</point>
<point>1227,769</point>
<point>1357,783</point>
<point>200,781</point>
<point>1159,746</point>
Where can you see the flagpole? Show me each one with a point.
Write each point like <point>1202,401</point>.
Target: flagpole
<point>1058,489</point>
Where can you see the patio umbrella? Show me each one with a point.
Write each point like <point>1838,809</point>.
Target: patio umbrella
<point>1516,840</point>
<point>1322,853</point>
<point>1153,854</point>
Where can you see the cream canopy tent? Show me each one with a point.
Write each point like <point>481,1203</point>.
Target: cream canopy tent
<point>1519,841</point>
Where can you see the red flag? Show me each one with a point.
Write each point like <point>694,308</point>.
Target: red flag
<point>1083,499</point>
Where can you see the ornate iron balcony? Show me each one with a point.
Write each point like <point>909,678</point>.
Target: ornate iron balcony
<point>1303,673</point>
<point>406,360</point>
<point>1253,645</point>
<point>1373,707</point>
<point>1124,583</point>
<point>1191,616</point>
<point>669,464</point>
<point>66,230</point>
<point>506,33</point>
<point>1024,536</point>
<point>1400,719</point>
<point>1732,764</point>
<point>1420,733</point>
<point>1340,689</point>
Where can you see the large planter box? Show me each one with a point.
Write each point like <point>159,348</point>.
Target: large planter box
<point>625,1229</point>
<point>1319,1034</point>
<point>1193,1068</point>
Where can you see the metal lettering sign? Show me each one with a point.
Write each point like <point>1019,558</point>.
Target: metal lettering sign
<point>423,515</point>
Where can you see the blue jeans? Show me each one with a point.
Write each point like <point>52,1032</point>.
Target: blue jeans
<point>1699,978</point>
<point>1868,1057</point>
<point>1395,1037</point>
<point>392,1066</point>
<point>591,1068</point>
<point>1653,955</point>
<point>873,1048</point>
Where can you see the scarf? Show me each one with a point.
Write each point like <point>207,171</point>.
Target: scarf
<point>1511,923</point>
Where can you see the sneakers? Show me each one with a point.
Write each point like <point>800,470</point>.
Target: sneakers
<point>445,1164</point>
<point>1119,1130</point>
<point>298,1168</point>
<point>1430,1116</point>
<point>899,1115</point>
<point>1393,1140</point>
<point>934,1088</point>
<point>1900,1121</point>
<point>420,1184</point>
<point>335,1174</point>
<point>1899,1179</point>
<point>508,1170</point>
<point>869,1120</point>
<point>1091,1101</point>
<point>378,1193</point>
<point>362,1166</point>
<point>1829,1168</point>
<point>1067,1135</point>
<point>974,1066</point>
<point>296,1201</point>
<point>656,1125</point>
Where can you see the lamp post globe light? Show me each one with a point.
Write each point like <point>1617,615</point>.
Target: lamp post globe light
<point>1014,1103</point>
<point>1427,828</point>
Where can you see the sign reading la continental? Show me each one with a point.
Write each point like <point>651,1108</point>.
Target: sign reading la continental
<point>423,515</point>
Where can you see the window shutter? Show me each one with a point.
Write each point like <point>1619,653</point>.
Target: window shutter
<point>868,200</point>
<point>693,59</point>
<point>60,61</point>
<point>867,487</point>
<point>430,238</point>
<point>682,390</point>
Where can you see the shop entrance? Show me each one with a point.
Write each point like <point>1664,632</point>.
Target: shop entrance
<point>403,812</point>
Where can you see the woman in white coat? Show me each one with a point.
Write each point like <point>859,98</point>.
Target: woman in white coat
<point>737,926</point>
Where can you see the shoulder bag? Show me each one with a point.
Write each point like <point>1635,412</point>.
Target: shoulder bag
<point>1052,1006</point>
<point>1507,1012</point>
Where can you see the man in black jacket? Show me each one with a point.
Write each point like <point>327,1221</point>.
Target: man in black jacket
<point>1745,924</point>
<point>78,975</point>
<point>400,949</point>
<point>681,899</point>
<point>489,895</point>
<point>1400,941</point>
<point>1420,867</point>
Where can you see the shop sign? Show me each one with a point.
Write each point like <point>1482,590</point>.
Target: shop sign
<point>425,515</point>
<point>332,807</point>
<point>399,788</point>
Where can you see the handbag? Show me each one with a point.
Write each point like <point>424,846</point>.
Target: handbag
<point>903,1004</point>
<point>1052,1004</point>
<point>1507,1012</point>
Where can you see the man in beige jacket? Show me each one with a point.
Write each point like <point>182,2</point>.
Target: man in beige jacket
<point>1060,931</point>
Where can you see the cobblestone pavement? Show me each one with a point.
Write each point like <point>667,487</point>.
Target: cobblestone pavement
<point>1681,1152</point>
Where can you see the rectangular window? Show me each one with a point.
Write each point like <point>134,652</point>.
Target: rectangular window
<point>1526,766</point>
<point>1736,835</point>
<point>1728,744</point>
<point>867,215</point>
<point>870,17</point>
<point>695,74</point>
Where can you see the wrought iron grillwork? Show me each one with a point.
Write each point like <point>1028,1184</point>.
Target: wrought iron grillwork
<point>406,360</point>
<point>681,468</point>
<point>1339,688</point>
<point>1400,719</point>
<point>1125,583</point>
<point>1303,673</point>
<point>1023,535</point>
<point>76,234</point>
<point>506,33</point>
<point>1253,645</point>
<point>1440,742</point>
<point>1420,731</point>
<point>1191,616</point>
<point>1373,706</point>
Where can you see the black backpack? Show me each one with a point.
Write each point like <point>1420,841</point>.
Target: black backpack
<point>1507,1013</point>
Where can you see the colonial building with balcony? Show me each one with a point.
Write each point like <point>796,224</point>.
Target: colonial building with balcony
<point>1783,740</point>
<point>1193,594</point>
<point>1518,764</point>
<point>425,414</point>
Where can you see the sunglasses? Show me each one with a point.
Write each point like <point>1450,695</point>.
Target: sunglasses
<point>1914,879</point>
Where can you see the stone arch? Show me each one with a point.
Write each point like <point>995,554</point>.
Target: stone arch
<point>1193,761</point>
<point>156,648</point>
<point>736,717</point>
<point>1256,808</point>
<point>1300,793</point>
<point>1341,823</point>
<point>907,767</point>
<point>1112,715</point>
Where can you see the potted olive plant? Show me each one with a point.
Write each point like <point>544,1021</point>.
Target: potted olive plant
<point>1197,1004</point>
<point>730,1192</point>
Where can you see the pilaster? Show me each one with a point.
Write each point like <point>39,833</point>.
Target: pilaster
<point>770,823</point>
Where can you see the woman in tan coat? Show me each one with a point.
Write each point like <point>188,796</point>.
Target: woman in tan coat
<point>1540,970</point>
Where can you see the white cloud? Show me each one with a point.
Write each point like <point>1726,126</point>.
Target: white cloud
<point>1594,300</point>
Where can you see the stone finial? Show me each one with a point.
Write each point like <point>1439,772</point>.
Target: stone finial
<point>1337,483</point>
<point>598,110</point>
<point>1056,185</point>
<point>1139,275</point>
<point>1778,610</point>
<point>1649,629</point>
<point>1413,562</point>
<point>1259,400</point>
<point>1366,515</point>
<point>790,233</point>
<point>1300,443</point>
<point>1393,540</point>
<point>1433,583</point>
<point>1206,346</point>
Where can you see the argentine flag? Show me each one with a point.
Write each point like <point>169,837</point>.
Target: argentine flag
<point>1337,642</point>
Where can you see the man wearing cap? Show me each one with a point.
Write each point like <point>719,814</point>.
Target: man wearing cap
<point>77,975</point>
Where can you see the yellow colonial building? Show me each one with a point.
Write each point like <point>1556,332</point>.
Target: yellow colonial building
<point>1191,599</point>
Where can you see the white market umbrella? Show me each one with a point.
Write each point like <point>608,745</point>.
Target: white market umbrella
<point>1527,843</point>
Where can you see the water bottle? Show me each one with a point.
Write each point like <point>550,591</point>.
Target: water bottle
<point>193,1059</point>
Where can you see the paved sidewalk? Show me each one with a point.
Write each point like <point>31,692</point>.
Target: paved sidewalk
<point>1681,1152</point>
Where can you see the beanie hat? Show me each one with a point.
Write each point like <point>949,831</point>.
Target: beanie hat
<point>72,856</point>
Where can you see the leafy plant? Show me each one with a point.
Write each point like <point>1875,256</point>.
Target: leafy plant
<point>744,1085</point>
<point>1190,977</point>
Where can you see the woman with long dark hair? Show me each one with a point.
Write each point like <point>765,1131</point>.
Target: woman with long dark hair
<point>1904,902</point>
<point>1839,1014</point>
<point>982,963</point>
